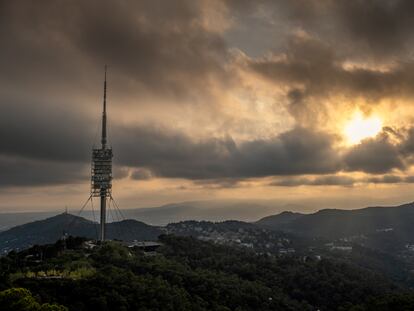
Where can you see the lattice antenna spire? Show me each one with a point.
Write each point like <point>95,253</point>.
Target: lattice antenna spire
<point>103,139</point>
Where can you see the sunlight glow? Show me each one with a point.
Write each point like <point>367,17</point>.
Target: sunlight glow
<point>359,128</point>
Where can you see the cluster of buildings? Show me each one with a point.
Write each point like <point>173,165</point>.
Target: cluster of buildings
<point>229,233</point>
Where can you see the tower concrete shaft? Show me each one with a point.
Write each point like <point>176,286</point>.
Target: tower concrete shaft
<point>103,218</point>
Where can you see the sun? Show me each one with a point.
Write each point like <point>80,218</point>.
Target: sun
<point>359,128</point>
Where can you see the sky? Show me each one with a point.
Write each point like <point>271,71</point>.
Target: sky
<point>291,101</point>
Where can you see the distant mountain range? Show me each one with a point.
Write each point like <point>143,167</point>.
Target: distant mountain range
<point>209,210</point>
<point>220,210</point>
<point>51,229</point>
<point>377,225</point>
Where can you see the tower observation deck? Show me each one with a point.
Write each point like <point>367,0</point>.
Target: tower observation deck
<point>101,170</point>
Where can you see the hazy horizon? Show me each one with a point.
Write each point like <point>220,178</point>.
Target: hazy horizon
<point>208,210</point>
<point>300,205</point>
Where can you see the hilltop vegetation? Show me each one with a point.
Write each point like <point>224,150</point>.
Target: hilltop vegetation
<point>20,299</point>
<point>188,274</point>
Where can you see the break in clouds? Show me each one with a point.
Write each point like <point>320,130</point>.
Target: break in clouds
<point>209,91</point>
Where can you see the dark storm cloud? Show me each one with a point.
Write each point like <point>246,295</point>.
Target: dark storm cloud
<point>298,151</point>
<point>17,171</point>
<point>382,26</point>
<point>388,179</point>
<point>316,70</point>
<point>157,45</point>
<point>328,180</point>
<point>42,146</point>
<point>295,152</point>
<point>407,146</point>
<point>377,27</point>
<point>154,152</point>
<point>43,132</point>
<point>374,155</point>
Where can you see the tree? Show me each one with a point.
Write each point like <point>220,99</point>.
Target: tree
<point>21,299</point>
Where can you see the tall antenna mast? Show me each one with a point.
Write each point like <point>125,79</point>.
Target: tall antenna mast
<point>103,139</point>
<point>101,174</point>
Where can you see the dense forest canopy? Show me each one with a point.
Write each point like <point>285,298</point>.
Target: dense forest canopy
<point>188,274</point>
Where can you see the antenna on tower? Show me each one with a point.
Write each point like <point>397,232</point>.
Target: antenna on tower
<point>103,139</point>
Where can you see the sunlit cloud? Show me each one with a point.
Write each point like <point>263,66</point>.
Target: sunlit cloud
<point>360,127</point>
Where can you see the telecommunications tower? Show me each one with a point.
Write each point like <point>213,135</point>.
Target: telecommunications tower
<point>101,170</point>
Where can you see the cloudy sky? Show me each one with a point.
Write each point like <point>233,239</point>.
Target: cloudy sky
<point>211,99</point>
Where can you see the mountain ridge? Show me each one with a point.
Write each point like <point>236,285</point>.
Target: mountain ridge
<point>337,223</point>
<point>53,228</point>
<point>381,224</point>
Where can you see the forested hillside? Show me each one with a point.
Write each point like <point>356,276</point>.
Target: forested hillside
<point>188,274</point>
